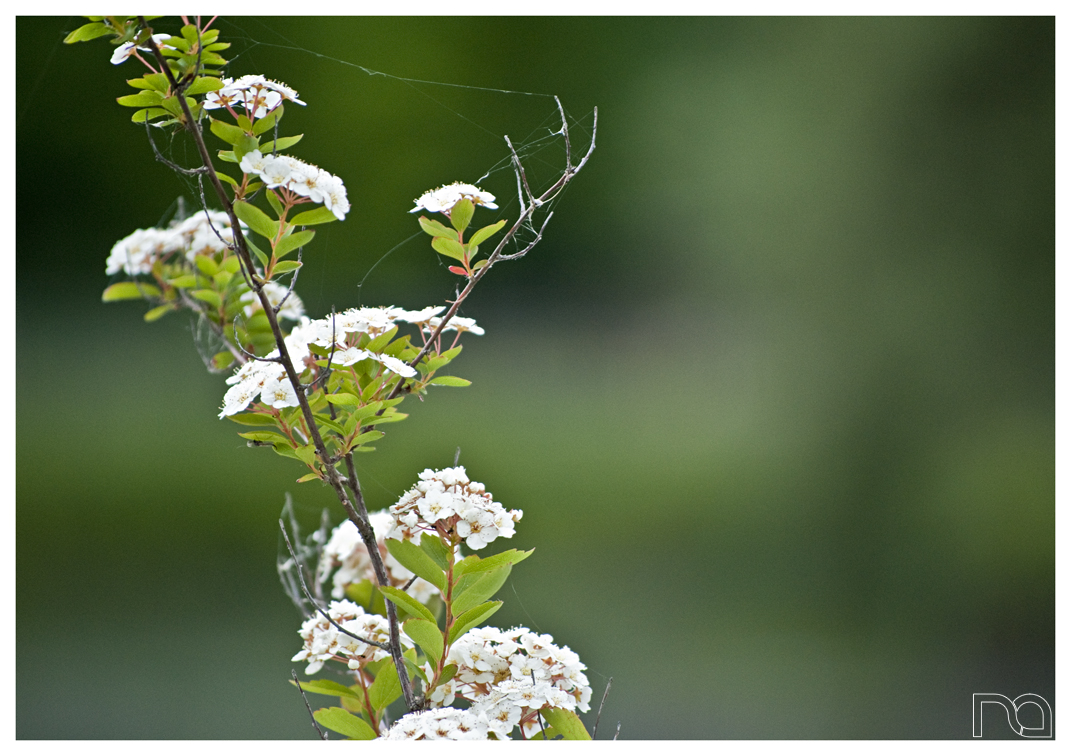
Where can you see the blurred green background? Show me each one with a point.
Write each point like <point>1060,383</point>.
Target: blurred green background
<point>775,393</point>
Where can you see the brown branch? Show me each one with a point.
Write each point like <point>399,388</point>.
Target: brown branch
<point>257,286</point>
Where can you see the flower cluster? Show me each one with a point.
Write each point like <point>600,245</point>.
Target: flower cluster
<point>443,199</point>
<point>346,551</point>
<point>204,233</point>
<point>325,642</point>
<point>447,501</point>
<point>259,96</point>
<point>301,178</point>
<point>292,309</point>
<point>339,332</point>
<point>440,724</point>
<point>125,50</point>
<point>509,674</point>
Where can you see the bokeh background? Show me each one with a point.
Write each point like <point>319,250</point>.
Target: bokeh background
<point>776,392</point>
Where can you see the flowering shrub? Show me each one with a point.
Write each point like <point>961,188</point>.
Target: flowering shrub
<point>406,619</point>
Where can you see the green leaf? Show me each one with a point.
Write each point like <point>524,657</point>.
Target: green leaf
<point>367,438</point>
<point>229,133</point>
<point>448,673</point>
<point>434,228</point>
<point>567,723</point>
<point>140,116</point>
<point>483,588</point>
<point>280,144</point>
<point>261,257</point>
<point>345,400</point>
<point>461,214</point>
<point>208,297</point>
<point>203,84</point>
<point>285,266</point>
<point>129,290</point>
<point>330,688</point>
<point>386,687</point>
<point>376,345</point>
<point>257,220</point>
<point>306,453</point>
<point>244,146</point>
<point>415,560</point>
<point>146,99</point>
<point>267,121</point>
<point>265,437</point>
<point>344,723</point>
<point>407,602</point>
<point>292,242</point>
<point>472,618</point>
<point>474,564</point>
<point>313,217</point>
<point>87,32</point>
<point>449,380</point>
<point>436,549</point>
<point>310,476</point>
<point>428,636</point>
<point>187,281</point>
<point>222,360</point>
<point>327,422</point>
<point>157,312</point>
<point>448,247</point>
<point>486,233</point>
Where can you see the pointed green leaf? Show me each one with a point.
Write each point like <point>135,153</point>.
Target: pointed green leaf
<point>313,217</point>
<point>428,636</point>
<point>290,243</point>
<point>257,220</point>
<point>448,247</point>
<point>228,132</point>
<point>436,549</point>
<point>208,297</point>
<point>486,233</point>
<point>157,312</point>
<point>267,121</point>
<point>449,380</point>
<point>280,144</point>
<point>367,438</point>
<point>330,688</point>
<point>415,560</point>
<point>261,257</point>
<point>187,281</point>
<point>472,618</point>
<point>376,345</point>
<point>265,437</point>
<point>434,228</point>
<point>344,723</point>
<point>285,266</point>
<point>386,687</point>
<point>473,563</point>
<point>344,400</point>
<point>87,32</point>
<point>253,418</point>
<point>567,723</point>
<point>146,99</point>
<point>461,214</point>
<point>407,602</point>
<point>203,84</point>
<point>480,590</point>
<point>129,290</point>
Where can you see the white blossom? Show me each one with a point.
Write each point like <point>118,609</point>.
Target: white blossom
<point>440,724</point>
<point>324,642</point>
<point>456,323</point>
<point>125,50</point>
<point>448,498</point>
<point>299,177</point>
<point>259,96</point>
<point>503,671</point>
<point>345,555</point>
<point>443,199</point>
<point>292,309</point>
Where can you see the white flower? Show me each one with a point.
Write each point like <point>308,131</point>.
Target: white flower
<point>499,670</point>
<point>456,323</point>
<point>441,200</point>
<point>346,555</point>
<point>324,642</point>
<point>440,724</point>
<point>297,176</point>
<point>124,51</point>
<point>447,498</point>
<point>420,316</point>
<point>136,253</point>
<point>292,309</point>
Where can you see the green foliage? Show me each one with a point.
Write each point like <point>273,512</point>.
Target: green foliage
<point>344,723</point>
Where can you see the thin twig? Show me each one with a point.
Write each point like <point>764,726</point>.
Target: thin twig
<point>316,606</point>
<point>323,735</point>
<point>602,703</point>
